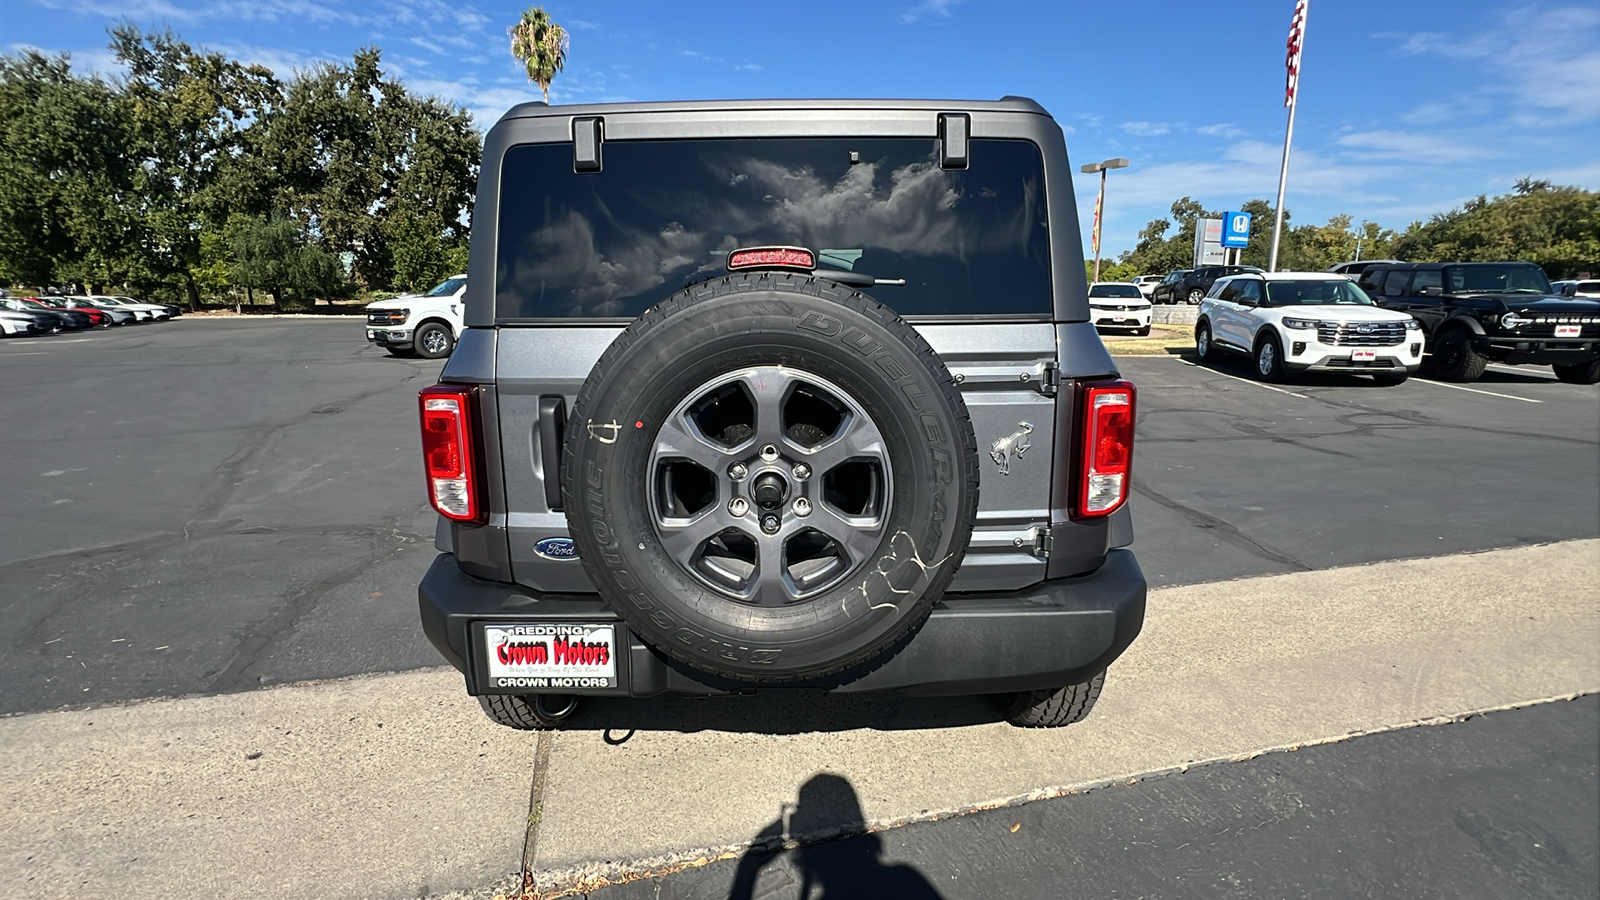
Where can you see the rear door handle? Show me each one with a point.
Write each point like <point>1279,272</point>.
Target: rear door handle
<point>552,432</point>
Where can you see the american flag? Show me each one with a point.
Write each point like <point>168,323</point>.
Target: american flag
<point>1297,37</point>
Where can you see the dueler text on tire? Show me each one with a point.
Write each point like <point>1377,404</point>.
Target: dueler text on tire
<point>770,477</point>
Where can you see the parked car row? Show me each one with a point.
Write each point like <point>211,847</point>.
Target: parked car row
<point>1462,315</point>
<point>20,316</point>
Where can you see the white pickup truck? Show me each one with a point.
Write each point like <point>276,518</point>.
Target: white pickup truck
<point>425,325</point>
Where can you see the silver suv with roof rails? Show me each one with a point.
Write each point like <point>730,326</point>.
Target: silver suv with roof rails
<point>785,394</point>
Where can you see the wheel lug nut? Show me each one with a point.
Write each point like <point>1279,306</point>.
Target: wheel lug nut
<point>737,472</point>
<point>801,471</point>
<point>770,524</point>
<point>802,507</point>
<point>769,452</point>
<point>738,506</point>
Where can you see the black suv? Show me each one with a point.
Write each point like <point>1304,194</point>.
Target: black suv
<point>1476,312</point>
<point>1191,286</point>
<point>732,378</point>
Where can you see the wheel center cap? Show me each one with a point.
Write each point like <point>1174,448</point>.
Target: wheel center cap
<point>770,490</point>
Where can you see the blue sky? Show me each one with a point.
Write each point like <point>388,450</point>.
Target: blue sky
<point>1407,108</point>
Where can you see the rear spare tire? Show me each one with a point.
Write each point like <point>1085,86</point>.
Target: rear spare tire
<point>770,477</point>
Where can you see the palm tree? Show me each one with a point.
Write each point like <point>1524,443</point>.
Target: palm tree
<point>541,45</point>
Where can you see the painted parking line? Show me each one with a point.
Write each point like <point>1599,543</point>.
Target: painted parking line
<point>1237,378</point>
<point>1457,387</point>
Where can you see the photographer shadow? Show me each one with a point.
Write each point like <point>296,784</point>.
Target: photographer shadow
<point>807,848</point>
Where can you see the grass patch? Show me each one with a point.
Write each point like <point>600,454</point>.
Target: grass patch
<point>1163,340</point>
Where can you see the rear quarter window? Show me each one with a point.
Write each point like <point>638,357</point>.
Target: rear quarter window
<point>665,214</point>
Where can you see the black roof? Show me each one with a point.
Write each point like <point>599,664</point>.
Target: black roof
<point>538,109</point>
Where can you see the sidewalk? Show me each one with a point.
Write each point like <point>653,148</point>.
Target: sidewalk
<point>398,786</point>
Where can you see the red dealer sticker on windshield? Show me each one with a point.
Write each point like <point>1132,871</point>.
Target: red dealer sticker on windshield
<point>553,657</point>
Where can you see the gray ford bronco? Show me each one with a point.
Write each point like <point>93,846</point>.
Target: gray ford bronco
<point>779,394</point>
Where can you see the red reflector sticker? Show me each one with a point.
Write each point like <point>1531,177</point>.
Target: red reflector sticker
<point>772,258</point>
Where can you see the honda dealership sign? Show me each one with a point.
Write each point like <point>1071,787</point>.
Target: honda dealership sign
<point>1235,229</point>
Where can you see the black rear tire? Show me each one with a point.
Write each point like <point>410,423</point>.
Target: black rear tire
<point>528,713</point>
<point>1454,359</point>
<point>816,329</point>
<point>1195,296</point>
<point>1579,373</point>
<point>1054,707</point>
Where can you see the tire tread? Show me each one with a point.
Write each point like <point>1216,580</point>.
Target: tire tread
<point>1055,707</point>
<point>811,286</point>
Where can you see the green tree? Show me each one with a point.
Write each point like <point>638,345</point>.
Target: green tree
<point>541,46</point>
<point>1156,253</point>
<point>1556,227</point>
<point>373,170</point>
<point>187,112</point>
<point>275,254</point>
<point>65,208</point>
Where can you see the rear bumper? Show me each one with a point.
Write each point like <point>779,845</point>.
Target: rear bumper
<point>1053,634</point>
<point>1120,318</point>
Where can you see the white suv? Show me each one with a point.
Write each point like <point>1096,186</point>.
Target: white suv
<point>426,325</point>
<point>1118,304</point>
<point>1147,284</point>
<point>1299,321</point>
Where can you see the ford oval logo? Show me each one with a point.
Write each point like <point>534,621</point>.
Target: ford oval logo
<point>1364,329</point>
<point>556,548</point>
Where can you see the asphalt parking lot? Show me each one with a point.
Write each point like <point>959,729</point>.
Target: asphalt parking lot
<point>218,506</point>
<point>214,506</point>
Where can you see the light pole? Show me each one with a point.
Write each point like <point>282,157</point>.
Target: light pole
<point>1120,162</point>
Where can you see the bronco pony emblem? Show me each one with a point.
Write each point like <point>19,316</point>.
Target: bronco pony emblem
<point>1014,444</point>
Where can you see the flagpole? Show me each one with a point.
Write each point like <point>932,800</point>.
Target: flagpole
<point>1302,13</point>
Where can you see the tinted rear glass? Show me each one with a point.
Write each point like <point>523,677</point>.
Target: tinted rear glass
<point>1340,291</point>
<point>1495,278</point>
<point>664,214</point>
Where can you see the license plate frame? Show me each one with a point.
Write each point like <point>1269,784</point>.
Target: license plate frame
<point>1363,356</point>
<point>549,657</point>
<point>1569,331</point>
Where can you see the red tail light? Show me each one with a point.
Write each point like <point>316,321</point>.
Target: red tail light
<point>772,258</point>
<point>1107,457</point>
<point>449,452</point>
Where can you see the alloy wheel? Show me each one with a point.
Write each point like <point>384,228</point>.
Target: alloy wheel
<point>770,485</point>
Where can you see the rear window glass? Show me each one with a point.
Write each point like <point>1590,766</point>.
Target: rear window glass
<point>664,214</point>
<point>1497,279</point>
<point>1115,290</point>
<point>1316,293</point>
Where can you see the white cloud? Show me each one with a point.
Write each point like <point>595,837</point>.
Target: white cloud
<point>1412,147</point>
<point>1146,129</point>
<point>1222,130</point>
<point>283,62</point>
<point>94,61</point>
<point>929,9</point>
<point>1547,62</point>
